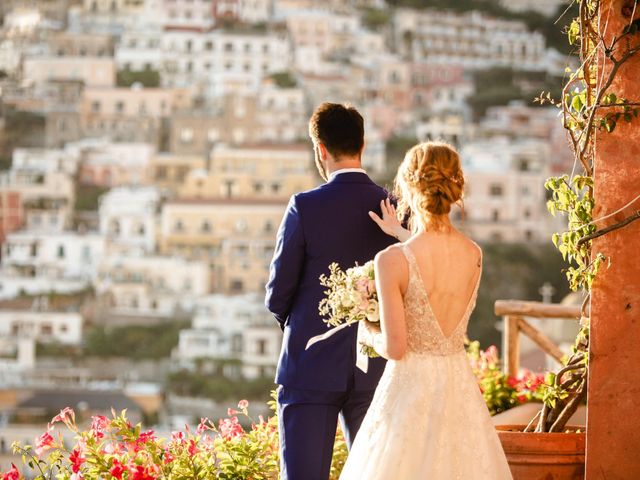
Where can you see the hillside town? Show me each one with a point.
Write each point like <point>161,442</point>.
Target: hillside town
<point>148,149</point>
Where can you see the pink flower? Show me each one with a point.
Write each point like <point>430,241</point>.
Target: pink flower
<point>76,460</point>
<point>178,437</point>
<point>65,415</point>
<point>43,443</point>
<point>242,404</point>
<point>230,428</point>
<point>98,424</point>
<point>203,425</point>
<point>168,457</point>
<point>12,474</point>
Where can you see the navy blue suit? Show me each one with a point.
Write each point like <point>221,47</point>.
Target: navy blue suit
<point>321,226</point>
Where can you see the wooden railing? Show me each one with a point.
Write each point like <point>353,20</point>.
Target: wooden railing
<point>514,323</point>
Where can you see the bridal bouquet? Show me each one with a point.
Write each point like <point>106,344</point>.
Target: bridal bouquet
<point>350,297</point>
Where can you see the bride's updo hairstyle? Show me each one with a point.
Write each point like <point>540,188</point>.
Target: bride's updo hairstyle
<point>428,182</point>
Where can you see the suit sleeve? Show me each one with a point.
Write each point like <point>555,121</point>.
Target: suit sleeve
<point>287,264</point>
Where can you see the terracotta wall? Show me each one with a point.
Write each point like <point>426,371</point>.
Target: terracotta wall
<point>613,425</point>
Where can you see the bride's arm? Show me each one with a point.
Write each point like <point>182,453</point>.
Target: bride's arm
<point>391,272</point>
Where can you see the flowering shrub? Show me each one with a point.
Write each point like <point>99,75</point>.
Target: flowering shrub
<point>114,449</point>
<point>500,391</point>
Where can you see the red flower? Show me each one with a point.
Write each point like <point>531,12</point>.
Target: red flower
<point>178,437</point>
<point>243,404</point>
<point>168,457</point>
<point>147,436</point>
<point>44,443</point>
<point>140,472</point>
<point>76,460</point>
<point>193,447</point>
<point>231,411</point>
<point>230,428</point>
<point>12,474</point>
<point>117,469</point>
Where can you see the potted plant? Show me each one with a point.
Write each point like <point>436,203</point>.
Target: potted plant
<point>546,447</point>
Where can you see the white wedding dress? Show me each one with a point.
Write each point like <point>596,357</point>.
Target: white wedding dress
<point>427,420</point>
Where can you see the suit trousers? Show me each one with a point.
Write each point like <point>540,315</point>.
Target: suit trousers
<point>308,420</point>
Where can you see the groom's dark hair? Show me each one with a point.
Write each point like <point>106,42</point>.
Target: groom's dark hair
<point>339,127</point>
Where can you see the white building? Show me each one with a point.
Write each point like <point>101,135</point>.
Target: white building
<point>188,14</point>
<point>471,39</point>
<point>505,199</point>
<point>152,286</point>
<point>45,160</point>
<point>546,7</point>
<point>256,11</point>
<point>42,262</point>
<point>128,218</point>
<point>93,71</point>
<point>219,62</point>
<point>45,327</point>
<point>232,328</point>
<point>139,49</point>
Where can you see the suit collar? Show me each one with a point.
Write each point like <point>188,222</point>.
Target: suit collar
<point>351,177</point>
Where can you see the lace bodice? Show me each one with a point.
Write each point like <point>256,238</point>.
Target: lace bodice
<point>424,334</point>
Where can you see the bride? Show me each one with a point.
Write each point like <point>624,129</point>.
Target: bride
<point>427,419</point>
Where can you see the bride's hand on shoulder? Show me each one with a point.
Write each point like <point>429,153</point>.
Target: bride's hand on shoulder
<point>389,222</point>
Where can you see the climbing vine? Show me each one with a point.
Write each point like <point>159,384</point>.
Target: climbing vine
<point>588,106</point>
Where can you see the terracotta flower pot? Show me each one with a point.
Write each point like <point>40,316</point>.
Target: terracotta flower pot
<point>544,456</point>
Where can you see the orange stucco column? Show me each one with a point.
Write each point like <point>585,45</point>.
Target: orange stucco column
<point>613,418</point>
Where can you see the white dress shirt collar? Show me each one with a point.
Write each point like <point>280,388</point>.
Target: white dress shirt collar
<point>346,170</point>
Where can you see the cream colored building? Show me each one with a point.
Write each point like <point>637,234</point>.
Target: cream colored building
<point>253,171</point>
<point>235,236</point>
<point>79,44</point>
<point>130,114</point>
<point>505,199</point>
<point>99,72</point>
<point>169,171</point>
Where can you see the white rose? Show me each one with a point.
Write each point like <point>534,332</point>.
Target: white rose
<point>372,312</point>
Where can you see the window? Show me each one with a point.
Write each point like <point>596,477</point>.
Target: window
<point>523,165</point>
<point>95,106</point>
<point>495,190</point>
<point>161,173</point>
<point>268,227</point>
<point>178,226</point>
<point>120,106</point>
<point>46,329</point>
<point>186,135</point>
<point>189,45</point>
<point>60,251</point>
<point>275,188</point>
<point>236,286</point>
<point>205,227</point>
<point>527,213</point>
<point>208,45</point>
<point>228,47</point>
<point>495,215</point>
<point>257,187</point>
<point>261,346</point>
<point>241,225</point>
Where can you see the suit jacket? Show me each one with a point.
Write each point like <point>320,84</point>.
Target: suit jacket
<point>321,226</point>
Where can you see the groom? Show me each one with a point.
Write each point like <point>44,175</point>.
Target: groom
<point>324,225</point>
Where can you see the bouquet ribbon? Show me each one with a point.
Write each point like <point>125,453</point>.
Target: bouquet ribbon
<point>362,361</point>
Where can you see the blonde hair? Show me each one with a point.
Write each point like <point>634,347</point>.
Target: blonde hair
<point>428,182</point>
